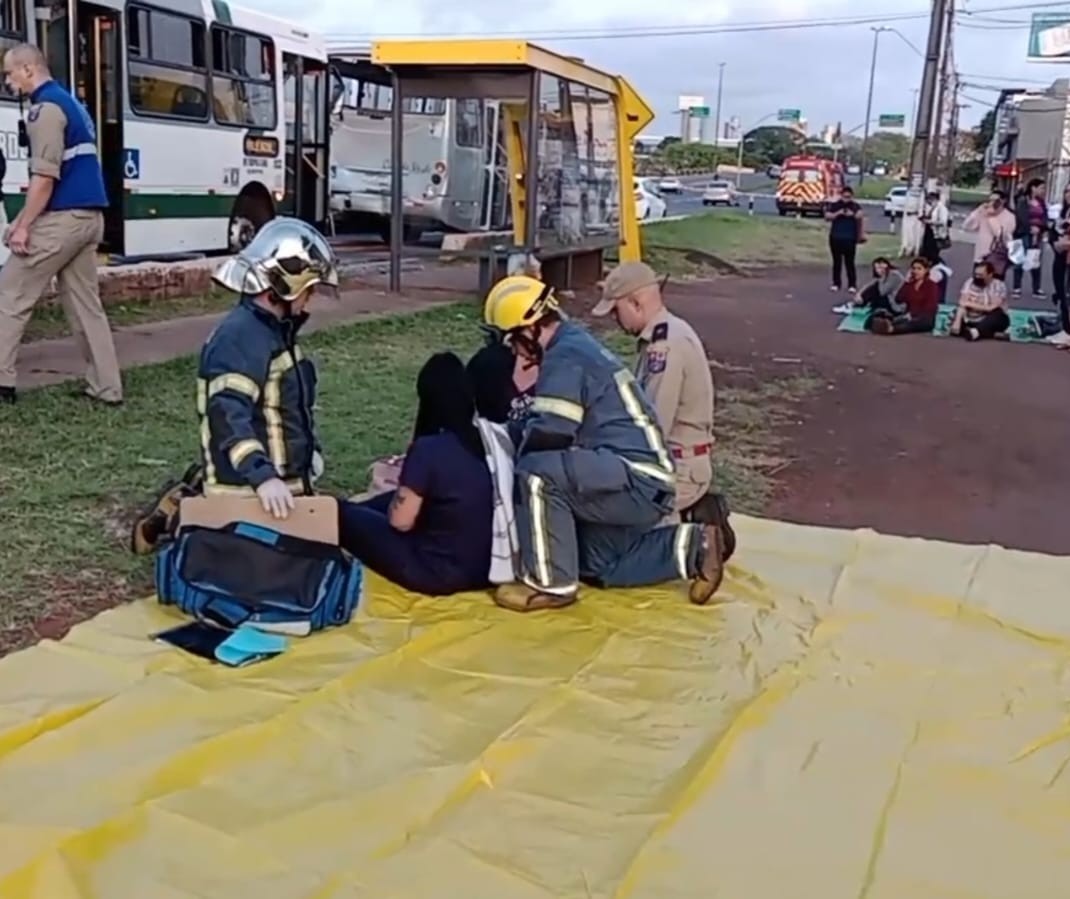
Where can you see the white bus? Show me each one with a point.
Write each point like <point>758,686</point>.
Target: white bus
<point>196,106</point>
<point>448,160</point>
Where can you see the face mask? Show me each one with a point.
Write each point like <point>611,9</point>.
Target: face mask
<point>978,282</point>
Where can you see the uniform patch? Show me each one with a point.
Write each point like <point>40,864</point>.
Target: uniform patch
<point>661,332</point>
<point>34,114</point>
<point>656,362</point>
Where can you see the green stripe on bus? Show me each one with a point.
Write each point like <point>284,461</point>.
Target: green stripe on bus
<point>222,12</point>
<point>155,206</point>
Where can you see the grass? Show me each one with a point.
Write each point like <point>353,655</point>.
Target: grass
<point>48,320</point>
<point>746,242</point>
<point>74,473</point>
<point>877,189</point>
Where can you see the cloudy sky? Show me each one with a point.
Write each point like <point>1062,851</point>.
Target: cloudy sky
<point>823,71</point>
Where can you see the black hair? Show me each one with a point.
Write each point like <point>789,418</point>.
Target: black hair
<point>986,265</point>
<point>922,261</point>
<point>490,373</point>
<point>446,402</point>
<point>878,260</point>
<point>1033,183</point>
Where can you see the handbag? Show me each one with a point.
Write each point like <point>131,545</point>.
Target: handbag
<point>998,256</point>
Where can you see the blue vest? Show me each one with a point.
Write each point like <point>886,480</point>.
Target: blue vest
<point>81,182</point>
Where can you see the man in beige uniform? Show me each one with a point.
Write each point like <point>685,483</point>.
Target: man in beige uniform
<point>57,232</point>
<point>673,370</point>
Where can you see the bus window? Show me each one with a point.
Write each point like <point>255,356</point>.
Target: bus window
<point>812,176</point>
<point>469,125</point>
<point>166,65</point>
<point>243,79</point>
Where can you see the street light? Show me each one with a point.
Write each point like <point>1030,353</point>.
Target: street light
<point>877,29</point>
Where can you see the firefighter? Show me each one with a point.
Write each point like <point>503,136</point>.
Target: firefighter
<point>593,474</point>
<point>56,233</point>
<point>255,389</point>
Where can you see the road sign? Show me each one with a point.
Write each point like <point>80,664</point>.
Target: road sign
<point>686,101</point>
<point>700,112</point>
<point>892,121</point>
<point>1049,37</point>
<point>131,163</point>
<point>789,115</point>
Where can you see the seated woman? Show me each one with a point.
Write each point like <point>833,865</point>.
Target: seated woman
<point>880,292</point>
<point>920,298</point>
<point>504,383</point>
<point>433,534</point>
<point>982,312</point>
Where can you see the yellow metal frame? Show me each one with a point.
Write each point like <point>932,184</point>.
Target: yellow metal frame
<point>632,112</point>
<point>515,121</point>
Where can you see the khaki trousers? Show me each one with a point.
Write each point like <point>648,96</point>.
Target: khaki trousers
<point>63,245</point>
<point>694,477</point>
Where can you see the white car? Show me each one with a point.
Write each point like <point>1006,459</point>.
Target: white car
<point>719,193</point>
<point>648,202</point>
<point>670,186</point>
<point>895,202</point>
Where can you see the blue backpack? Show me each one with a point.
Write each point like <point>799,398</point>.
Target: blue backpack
<point>245,573</point>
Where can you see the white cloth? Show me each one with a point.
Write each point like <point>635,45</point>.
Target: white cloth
<point>505,544</point>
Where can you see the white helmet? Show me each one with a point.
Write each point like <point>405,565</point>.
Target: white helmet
<point>287,257</point>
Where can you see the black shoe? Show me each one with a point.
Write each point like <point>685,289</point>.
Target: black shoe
<point>7,395</point>
<point>157,522</point>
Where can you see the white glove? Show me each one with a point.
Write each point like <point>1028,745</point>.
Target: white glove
<point>276,498</point>
<point>317,465</point>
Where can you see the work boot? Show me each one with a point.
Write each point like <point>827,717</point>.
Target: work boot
<point>711,570</point>
<point>713,509</point>
<point>159,520</point>
<point>7,395</point>
<point>521,597</point>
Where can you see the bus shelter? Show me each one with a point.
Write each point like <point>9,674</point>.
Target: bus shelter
<point>567,131</point>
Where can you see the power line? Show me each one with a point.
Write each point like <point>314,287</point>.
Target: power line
<point>653,31</point>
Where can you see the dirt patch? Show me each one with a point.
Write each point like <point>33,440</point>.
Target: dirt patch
<point>911,435</point>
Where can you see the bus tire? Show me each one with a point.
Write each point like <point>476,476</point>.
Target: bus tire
<point>252,210</point>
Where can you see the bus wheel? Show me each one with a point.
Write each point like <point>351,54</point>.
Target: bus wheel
<point>252,210</point>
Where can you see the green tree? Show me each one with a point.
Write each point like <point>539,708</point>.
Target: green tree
<point>889,147</point>
<point>969,174</point>
<point>667,142</point>
<point>982,137</point>
<point>771,145</point>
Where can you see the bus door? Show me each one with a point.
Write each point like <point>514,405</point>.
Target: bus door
<point>307,104</point>
<point>494,212</point>
<point>90,66</point>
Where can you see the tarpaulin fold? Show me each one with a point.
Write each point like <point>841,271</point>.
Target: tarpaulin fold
<point>861,716</point>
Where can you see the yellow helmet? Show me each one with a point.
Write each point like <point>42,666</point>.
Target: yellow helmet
<point>518,301</point>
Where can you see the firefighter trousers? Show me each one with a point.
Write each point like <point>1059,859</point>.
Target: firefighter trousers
<point>587,515</point>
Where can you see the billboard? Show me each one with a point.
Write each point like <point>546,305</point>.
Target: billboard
<point>1049,37</point>
<point>892,120</point>
<point>686,101</point>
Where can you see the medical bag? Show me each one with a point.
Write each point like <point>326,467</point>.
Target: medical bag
<point>246,573</point>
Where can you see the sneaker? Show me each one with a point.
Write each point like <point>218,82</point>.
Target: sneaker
<point>1062,339</point>
<point>852,290</point>
<point>521,597</point>
<point>843,308</point>
<point>834,287</point>
<point>1016,293</point>
<point>1039,295</point>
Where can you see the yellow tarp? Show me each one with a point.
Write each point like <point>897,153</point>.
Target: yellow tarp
<point>863,717</point>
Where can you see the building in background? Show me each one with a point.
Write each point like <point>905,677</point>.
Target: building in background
<point>1031,138</point>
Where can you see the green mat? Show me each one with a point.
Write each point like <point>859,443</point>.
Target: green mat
<point>1024,328</point>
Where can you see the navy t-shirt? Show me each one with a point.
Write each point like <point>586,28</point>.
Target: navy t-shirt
<point>844,228</point>
<point>455,525</point>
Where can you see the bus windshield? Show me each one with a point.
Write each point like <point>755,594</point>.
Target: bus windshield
<point>369,98</point>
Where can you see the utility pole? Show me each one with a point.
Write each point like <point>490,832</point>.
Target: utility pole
<point>913,110</point>
<point>869,102</point>
<point>933,164</point>
<point>717,115</point>
<point>919,151</point>
<point>951,158</point>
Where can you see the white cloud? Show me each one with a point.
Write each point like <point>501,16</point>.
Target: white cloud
<point>823,71</point>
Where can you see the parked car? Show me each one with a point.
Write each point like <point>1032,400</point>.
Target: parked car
<point>670,186</point>
<point>772,171</point>
<point>648,202</point>
<point>879,171</point>
<point>854,169</point>
<point>895,202</point>
<point>719,193</point>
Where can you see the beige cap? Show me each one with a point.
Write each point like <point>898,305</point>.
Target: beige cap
<point>625,279</point>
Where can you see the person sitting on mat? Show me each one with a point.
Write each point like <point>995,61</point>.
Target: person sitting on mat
<point>503,387</point>
<point>433,534</point>
<point>917,303</point>
<point>880,292</point>
<point>982,311</point>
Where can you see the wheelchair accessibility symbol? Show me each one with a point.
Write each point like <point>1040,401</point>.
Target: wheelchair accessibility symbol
<point>131,164</point>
